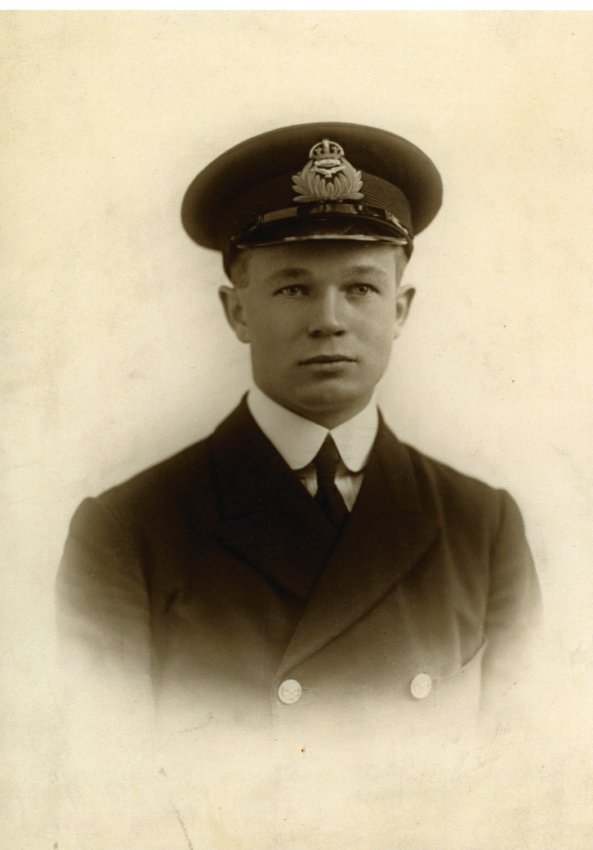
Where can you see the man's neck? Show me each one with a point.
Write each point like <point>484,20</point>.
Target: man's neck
<point>326,419</point>
<point>298,439</point>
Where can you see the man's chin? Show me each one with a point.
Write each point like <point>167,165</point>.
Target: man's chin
<point>333,404</point>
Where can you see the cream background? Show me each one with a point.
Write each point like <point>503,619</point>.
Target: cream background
<point>116,353</point>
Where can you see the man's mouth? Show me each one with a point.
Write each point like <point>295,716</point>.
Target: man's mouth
<point>326,358</point>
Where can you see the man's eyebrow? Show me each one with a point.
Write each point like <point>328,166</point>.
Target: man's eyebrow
<point>293,272</point>
<point>362,269</point>
<point>289,273</point>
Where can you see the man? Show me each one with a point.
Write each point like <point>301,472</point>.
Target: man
<point>301,564</point>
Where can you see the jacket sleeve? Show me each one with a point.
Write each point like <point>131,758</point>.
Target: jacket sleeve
<point>513,617</point>
<point>110,791</point>
<point>102,597</point>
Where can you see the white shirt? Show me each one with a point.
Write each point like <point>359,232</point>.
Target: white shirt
<point>298,440</point>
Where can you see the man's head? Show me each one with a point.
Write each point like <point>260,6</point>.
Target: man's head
<point>320,319</point>
<point>315,223</point>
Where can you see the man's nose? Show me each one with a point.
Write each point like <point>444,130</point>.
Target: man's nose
<point>327,315</point>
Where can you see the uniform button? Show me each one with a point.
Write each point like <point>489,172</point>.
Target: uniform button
<point>289,691</point>
<point>421,686</point>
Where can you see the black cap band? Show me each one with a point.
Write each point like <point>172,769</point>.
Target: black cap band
<point>265,203</point>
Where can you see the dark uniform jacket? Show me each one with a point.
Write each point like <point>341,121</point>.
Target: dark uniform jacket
<point>211,591</point>
<point>215,575</point>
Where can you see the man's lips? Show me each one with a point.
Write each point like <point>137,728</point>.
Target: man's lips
<point>326,358</point>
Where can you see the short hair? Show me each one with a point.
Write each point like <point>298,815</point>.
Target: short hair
<point>237,268</point>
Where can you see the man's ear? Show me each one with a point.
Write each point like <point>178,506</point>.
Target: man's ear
<point>403,301</point>
<point>234,311</point>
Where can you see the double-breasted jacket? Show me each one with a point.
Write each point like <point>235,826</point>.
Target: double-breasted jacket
<point>216,576</point>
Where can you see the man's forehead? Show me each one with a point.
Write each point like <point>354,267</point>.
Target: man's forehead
<point>291,271</point>
<point>297,260</point>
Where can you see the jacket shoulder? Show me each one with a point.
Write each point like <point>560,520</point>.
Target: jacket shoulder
<point>171,472</point>
<point>448,491</point>
<point>161,496</point>
<point>188,470</point>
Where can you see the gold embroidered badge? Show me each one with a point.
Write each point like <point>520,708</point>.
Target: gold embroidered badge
<point>327,176</point>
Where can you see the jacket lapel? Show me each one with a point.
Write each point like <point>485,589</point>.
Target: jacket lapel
<point>384,538</point>
<point>267,518</point>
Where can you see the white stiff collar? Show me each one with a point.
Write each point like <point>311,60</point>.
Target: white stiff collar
<point>298,440</point>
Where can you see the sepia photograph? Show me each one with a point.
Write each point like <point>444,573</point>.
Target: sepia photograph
<point>298,458</point>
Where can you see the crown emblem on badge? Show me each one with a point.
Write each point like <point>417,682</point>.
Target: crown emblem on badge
<point>327,176</point>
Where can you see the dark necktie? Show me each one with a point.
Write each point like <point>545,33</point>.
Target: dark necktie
<point>328,496</point>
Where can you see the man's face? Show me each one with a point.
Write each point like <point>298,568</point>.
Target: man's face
<point>320,318</point>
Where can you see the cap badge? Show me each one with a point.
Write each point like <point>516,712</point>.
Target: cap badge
<point>327,176</point>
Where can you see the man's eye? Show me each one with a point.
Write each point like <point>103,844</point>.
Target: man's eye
<point>361,289</point>
<point>292,291</point>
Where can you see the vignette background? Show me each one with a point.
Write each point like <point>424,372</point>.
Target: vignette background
<point>117,353</point>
